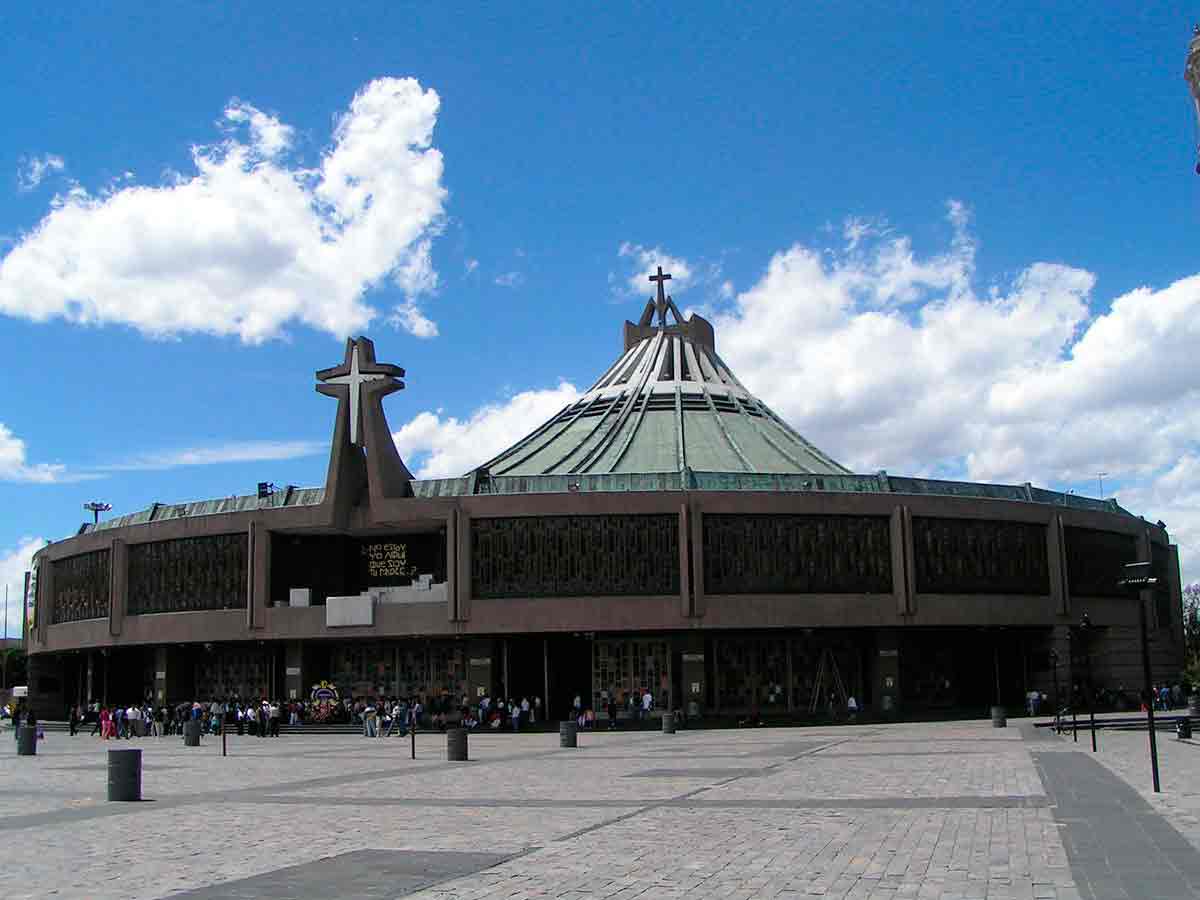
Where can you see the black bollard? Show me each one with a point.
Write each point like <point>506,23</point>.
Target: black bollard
<point>191,733</point>
<point>125,775</point>
<point>456,744</point>
<point>568,734</point>
<point>27,741</point>
<point>668,723</point>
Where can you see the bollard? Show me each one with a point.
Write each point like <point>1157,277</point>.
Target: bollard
<point>125,775</point>
<point>668,723</point>
<point>999,717</point>
<point>27,741</point>
<point>191,733</point>
<point>568,734</point>
<point>456,745</point>
<point>1183,729</point>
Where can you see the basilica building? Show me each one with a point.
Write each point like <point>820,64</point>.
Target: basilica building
<point>665,532</point>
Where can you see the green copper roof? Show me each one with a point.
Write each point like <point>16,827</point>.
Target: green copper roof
<point>668,404</point>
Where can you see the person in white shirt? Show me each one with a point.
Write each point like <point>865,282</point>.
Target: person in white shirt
<point>647,703</point>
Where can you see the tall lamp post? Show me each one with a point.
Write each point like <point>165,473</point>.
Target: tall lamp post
<point>1085,628</point>
<point>1054,674</point>
<point>95,508</point>
<point>1137,578</point>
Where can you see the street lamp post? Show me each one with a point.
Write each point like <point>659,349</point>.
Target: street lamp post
<point>1085,628</point>
<point>1054,674</point>
<point>1138,577</point>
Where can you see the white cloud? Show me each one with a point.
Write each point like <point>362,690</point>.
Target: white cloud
<point>249,243</point>
<point>889,359</point>
<point>510,279</point>
<point>442,447</point>
<point>35,169</point>
<point>269,136</point>
<point>14,563</point>
<point>220,454</point>
<point>470,266</point>
<point>13,466</point>
<point>645,262</point>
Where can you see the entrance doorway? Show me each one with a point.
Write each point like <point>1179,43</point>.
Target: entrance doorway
<point>570,658</point>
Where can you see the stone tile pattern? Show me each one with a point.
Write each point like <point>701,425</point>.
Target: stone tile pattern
<point>951,811</point>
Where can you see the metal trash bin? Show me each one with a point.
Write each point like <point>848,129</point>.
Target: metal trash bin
<point>27,741</point>
<point>999,717</point>
<point>1183,728</point>
<point>456,745</point>
<point>568,734</point>
<point>125,774</point>
<point>191,733</point>
<point>668,723</point>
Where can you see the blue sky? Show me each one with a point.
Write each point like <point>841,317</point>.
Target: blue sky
<point>956,242</point>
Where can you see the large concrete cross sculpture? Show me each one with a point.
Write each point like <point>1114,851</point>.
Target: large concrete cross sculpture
<point>357,373</point>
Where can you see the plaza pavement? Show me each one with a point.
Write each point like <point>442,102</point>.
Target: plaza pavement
<point>950,810</point>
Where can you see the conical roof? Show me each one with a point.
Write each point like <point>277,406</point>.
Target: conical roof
<point>668,404</point>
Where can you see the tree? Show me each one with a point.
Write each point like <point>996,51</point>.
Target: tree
<point>12,665</point>
<point>1191,633</point>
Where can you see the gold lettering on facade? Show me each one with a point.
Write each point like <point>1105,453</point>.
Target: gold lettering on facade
<point>388,561</point>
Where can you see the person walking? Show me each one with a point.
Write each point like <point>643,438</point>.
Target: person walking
<point>73,720</point>
<point>612,711</point>
<point>274,715</point>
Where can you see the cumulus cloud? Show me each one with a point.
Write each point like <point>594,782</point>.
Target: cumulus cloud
<point>644,262</point>
<point>14,467</point>
<point>250,242</point>
<point>34,170</point>
<point>510,279</point>
<point>444,446</point>
<point>14,563</point>
<point>890,359</point>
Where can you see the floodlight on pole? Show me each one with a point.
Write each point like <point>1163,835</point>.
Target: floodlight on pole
<point>95,508</point>
<point>1100,475</point>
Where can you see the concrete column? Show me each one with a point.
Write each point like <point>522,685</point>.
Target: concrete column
<point>685,592</point>
<point>118,585</point>
<point>790,674</point>
<point>697,527</point>
<point>887,671</point>
<point>691,661</point>
<point>45,600</point>
<point>1144,554</point>
<point>161,663</point>
<point>451,570</point>
<point>1056,555</point>
<point>463,564</point>
<point>293,662</point>
<point>91,672</point>
<point>1175,587</point>
<point>479,670</point>
<point>259,575</point>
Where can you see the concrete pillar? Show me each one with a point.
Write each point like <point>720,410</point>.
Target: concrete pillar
<point>294,670</point>
<point>451,569</point>
<point>887,670</point>
<point>685,591</point>
<point>1056,555</point>
<point>462,564</point>
<point>479,670</point>
<point>45,600</point>
<point>259,575</point>
<point>697,524</point>
<point>160,674</point>
<point>118,586</point>
<point>691,661</point>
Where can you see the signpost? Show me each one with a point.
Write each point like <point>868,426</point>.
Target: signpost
<point>1138,578</point>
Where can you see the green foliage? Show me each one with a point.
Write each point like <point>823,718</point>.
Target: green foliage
<point>1191,634</point>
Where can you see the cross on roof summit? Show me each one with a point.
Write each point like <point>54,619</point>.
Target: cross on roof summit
<point>661,302</point>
